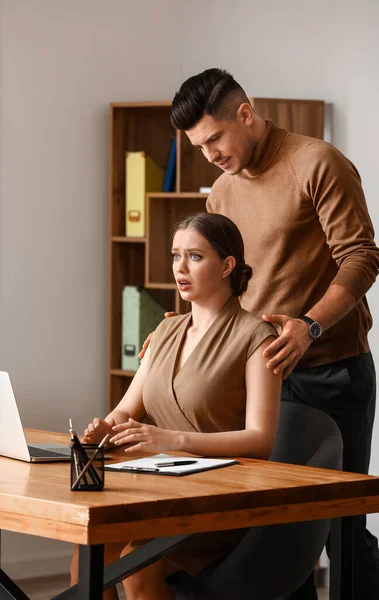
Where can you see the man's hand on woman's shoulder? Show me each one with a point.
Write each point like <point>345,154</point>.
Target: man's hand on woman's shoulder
<point>146,343</point>
<point>286,351</point>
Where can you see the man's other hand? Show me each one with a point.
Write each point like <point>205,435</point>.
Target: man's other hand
<point>145,346</point>
<point>146,343</point>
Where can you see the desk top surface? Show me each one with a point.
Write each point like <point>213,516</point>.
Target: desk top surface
<point>36,498</point>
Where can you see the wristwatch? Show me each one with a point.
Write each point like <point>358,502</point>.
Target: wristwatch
<point>315,329</point>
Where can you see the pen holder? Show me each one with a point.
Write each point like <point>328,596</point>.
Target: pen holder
<point>92,480</point>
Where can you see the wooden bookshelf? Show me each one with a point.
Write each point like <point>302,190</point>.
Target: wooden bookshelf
<point>145,126</point>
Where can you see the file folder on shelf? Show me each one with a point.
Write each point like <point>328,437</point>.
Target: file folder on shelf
<point>140,316</point>
<point>142,176</point>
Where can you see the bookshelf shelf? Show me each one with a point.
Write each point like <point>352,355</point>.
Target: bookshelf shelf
<point>160,286</point>
<point>177,195</point>
<point>121,373</point>
<point>145,127</point>
<point>119,239</point>
<point>162,212</point>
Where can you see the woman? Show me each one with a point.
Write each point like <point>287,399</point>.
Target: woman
<point>203,382</point>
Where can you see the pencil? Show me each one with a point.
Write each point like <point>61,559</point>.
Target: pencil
<point>89,463</point>
<point>82,457</point>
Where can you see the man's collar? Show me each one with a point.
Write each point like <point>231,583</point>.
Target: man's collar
<point>266,150</point>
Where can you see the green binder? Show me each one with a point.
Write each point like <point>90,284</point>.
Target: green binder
<point>140,316</point>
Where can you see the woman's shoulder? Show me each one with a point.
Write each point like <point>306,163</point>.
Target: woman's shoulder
<point>170,325</point>
<point>254,330</point>
<point>254,323</point>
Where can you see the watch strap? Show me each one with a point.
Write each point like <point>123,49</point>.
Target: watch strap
<point>307,320</point>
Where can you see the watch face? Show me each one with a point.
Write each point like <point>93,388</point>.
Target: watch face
<point>315,330</point>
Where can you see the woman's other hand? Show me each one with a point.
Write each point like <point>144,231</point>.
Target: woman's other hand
<point>144,438</point>
<point>97,430</point>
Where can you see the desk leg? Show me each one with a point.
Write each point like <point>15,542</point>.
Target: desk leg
<point>9,590</point>
<point>117,571</point>
<point>341,558</point>
<point>91,572</point>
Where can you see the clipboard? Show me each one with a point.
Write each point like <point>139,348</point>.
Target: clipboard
<point>149,465</point>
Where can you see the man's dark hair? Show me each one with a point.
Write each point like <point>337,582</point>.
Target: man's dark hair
<point>213,92</point>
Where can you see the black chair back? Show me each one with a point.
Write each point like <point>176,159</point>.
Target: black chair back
<point>273,561</point>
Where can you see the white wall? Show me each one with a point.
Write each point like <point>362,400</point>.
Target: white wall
<point>62,62</point>
<point>327,50</point>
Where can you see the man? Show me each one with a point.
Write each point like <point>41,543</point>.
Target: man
<point>301,210</point>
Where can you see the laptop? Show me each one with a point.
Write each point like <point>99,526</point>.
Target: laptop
<point>12,437</point>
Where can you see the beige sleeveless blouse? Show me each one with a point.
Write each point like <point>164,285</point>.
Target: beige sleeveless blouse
<point>208,394</point>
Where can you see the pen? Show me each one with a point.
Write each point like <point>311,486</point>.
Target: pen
<point>82,457</point>
<point>176,463</point>
<point>74,454</point>
<point>89,463</point>
<point>77,452</point>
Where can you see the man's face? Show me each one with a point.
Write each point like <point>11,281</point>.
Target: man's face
<point>225,143</point>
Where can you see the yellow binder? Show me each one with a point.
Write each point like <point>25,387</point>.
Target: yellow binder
<point>142,176</point>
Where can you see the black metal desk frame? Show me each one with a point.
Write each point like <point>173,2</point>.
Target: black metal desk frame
<point>94,578</point>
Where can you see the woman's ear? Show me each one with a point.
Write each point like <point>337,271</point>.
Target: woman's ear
<point>229,264</point>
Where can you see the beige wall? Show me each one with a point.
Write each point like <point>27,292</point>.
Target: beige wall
<point>62,62</point>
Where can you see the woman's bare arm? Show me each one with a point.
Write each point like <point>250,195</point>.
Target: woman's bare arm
<point>263,389</point>
<point>130,405</point>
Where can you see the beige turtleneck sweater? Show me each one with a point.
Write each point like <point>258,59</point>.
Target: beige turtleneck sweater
<point>305,224</point>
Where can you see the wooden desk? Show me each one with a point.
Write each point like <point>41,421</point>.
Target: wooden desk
<point>36,499</point>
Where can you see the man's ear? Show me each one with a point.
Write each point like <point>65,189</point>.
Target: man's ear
<point>245,114</point>
<point>229,264</point>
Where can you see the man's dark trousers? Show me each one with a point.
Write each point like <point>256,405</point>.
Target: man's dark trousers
<point>346,391</point>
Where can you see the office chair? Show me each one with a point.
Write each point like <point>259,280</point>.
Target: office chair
<point>272,561</point>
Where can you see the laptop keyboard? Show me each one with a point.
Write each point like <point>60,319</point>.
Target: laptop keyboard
<point>41,453</point>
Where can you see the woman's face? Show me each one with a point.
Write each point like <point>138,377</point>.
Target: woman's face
<point>198,270</point>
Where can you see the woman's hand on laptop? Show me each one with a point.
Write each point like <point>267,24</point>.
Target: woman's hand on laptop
<point>97,430</point>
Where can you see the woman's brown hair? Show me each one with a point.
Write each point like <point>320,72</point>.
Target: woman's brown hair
<point>225,237</point>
